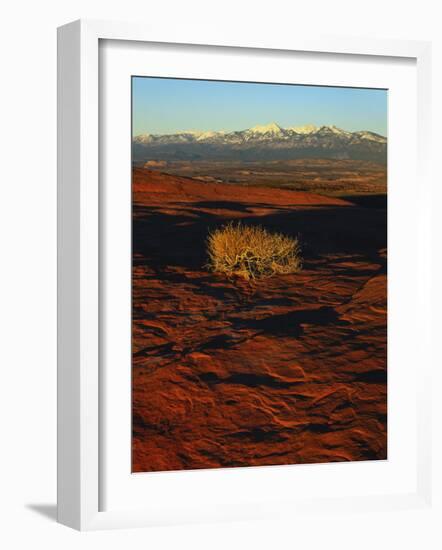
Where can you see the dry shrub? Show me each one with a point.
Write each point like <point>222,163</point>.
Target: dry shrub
<point>252,252</point>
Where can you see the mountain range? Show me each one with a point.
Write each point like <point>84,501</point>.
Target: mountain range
<point>262,142</point>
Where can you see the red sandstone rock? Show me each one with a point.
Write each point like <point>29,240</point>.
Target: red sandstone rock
<point>287,370</point>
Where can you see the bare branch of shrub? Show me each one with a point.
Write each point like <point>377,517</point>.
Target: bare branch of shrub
<point>252,252</point>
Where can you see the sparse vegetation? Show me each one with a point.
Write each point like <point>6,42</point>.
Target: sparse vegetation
<point>329,177</point>
<point>252,252</point>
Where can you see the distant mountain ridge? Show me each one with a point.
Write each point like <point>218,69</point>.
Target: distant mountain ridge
<point>266,142</point>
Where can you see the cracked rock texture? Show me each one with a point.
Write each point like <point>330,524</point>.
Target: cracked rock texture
<point>288,370</point>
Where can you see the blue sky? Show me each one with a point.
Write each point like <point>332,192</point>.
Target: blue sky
<point>166,105</point>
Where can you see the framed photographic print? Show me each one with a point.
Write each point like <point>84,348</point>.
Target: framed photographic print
<point>243,297</point>
<point>259,274</point>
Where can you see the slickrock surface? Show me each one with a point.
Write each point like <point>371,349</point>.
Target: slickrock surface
<point>291,369</point>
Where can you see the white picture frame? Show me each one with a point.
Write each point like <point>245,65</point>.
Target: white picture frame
<point>79,265</point>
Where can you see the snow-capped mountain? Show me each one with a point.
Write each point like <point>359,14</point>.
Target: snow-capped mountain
<point>265,142</point>
<point>271,129</point>
<point>307,129</point>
